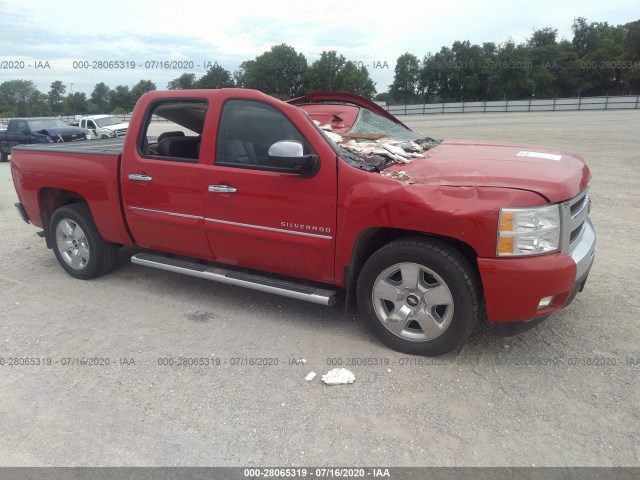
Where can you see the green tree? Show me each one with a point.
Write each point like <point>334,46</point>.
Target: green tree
<point>186,81</point>
<point>100,97</point>
<point>406,81</point>
<point>39,104</point>
<point>216,77</point>
<point>600,48</point>
<point>76,104</point>
<point>544,53</point>
<point>354,79</point>
<point>18,94</point>
<point>56,97</point>
<point>509,73</point>
<point>632,56</point>
<point>438,78</point>
<point>321,75</point>
<point>140,88</point>
<point>277,72</point>
<point>382,97</point>
<point>121,97</point>
<point>332,72</point>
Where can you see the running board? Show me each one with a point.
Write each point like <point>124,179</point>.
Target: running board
<point>247,280</point>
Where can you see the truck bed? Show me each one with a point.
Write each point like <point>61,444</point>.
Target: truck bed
<point>89,170</point>
<point>112,146</point>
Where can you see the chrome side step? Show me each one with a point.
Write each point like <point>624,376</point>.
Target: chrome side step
<point>247,280</point>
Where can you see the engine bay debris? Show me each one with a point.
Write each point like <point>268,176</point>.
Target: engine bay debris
<point>375,152</point>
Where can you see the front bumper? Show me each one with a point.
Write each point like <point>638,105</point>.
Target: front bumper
<point>514,287</point>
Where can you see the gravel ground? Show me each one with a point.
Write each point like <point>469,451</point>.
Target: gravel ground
<point>563,394</point>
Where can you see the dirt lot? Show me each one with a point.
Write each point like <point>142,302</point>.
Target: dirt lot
<point>563,394</point>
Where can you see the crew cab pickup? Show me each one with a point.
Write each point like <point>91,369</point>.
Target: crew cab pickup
<point>22,131</point>
<point>103,126</point>
<point>323,196</point>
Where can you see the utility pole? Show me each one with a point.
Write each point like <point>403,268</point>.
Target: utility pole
<point>73,99</point>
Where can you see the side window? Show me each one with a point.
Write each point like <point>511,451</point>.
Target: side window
<point>173,130</point>
<point>91,125</point>
<point>22,128</point>
<point>248,128</point>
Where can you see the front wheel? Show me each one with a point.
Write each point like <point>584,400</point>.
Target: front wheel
<point>77,244</point>
<point>419,296</point>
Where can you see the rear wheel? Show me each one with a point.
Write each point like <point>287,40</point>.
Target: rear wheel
<point>4,157</point>
<point>419,296</point>
<point>77,244</point>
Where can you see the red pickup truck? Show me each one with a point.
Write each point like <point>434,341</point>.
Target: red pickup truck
<point>321,195</point>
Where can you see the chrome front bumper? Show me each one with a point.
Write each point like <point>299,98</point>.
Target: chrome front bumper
<point>584,252</point>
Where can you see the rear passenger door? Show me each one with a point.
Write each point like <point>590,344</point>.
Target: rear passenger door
<point>162,180</point>
<point>259,217</point>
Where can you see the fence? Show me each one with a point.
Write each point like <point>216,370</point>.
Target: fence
<point>531,105</point>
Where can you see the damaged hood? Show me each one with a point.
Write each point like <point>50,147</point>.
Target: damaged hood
<point>556,175</point>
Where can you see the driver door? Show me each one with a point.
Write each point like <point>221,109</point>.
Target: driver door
<point>262,218</point>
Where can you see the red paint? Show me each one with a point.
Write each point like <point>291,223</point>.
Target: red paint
<point>456,191</point>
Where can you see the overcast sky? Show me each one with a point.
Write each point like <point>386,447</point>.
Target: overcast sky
<point>371,32</point>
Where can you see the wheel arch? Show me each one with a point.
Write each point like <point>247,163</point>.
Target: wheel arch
<point>371,240</point>
<point>49,200</point>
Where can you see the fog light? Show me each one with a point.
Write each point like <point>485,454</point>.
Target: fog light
<point>545,302</point>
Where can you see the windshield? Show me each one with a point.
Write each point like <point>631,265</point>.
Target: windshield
<point>372,123</point>
<point>105,122</point>
<point>45,123</point>
<point>373,142</point>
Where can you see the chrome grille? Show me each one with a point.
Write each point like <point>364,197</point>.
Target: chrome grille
<point>575,214</point>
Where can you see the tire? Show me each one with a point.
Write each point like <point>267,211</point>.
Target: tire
<point>4,157</point>
<point>419,296</point>
<point>77,244</point>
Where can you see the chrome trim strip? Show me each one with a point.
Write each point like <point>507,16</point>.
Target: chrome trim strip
<point>270,229</point>
<point>227,222</point>
<point>173,214</point>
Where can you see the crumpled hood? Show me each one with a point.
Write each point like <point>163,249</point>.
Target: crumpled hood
<point>556,175</point>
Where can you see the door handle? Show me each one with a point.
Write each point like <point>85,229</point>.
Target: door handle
<point>222,189</point>
<point>138,177</point>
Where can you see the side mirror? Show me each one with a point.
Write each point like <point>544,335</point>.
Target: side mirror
<point>288,156</point>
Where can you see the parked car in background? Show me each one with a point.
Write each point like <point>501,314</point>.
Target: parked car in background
<point>21,131</point>
<point>103,126</point>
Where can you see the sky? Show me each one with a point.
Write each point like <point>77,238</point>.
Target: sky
<point>48,41</point>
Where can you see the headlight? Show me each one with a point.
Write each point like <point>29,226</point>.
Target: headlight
<point>528,231</point>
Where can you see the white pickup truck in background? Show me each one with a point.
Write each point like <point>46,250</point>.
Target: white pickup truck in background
<point>103,126</point>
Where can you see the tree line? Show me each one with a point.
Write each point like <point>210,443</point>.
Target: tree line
<point>600,59</point>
